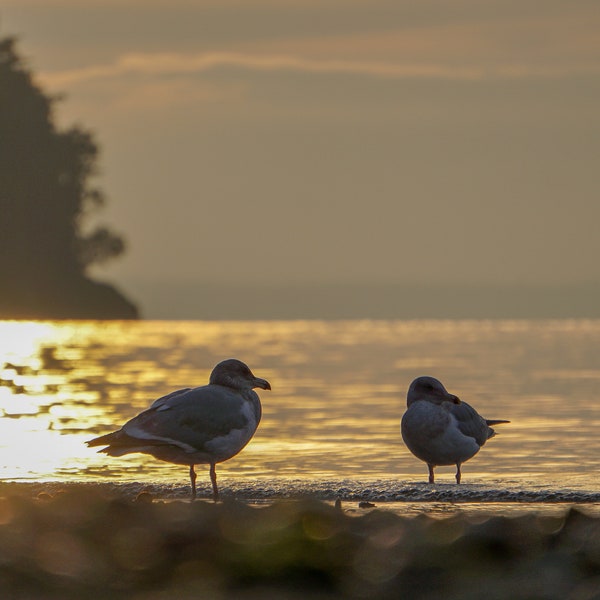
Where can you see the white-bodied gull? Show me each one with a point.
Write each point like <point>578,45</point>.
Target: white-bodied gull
<point>440,429</point>
<point>203,425</point>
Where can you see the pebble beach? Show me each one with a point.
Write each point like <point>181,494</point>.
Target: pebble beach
<point>132,541</point>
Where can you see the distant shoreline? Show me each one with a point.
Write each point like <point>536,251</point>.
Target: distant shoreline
<point>65,297</point>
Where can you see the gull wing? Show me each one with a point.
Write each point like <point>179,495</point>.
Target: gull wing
<point>191,418</point>
<point>163,399</point>
<point>471,423</point>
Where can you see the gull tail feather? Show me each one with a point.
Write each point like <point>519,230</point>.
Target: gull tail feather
<point>117,443</point>
<point>489,422</point>
<point>105,440</point>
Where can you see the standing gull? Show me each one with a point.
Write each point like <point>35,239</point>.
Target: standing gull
<point>203,425</point>
<point>440,429</point>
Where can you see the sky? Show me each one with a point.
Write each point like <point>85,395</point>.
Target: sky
<point>255,142</point>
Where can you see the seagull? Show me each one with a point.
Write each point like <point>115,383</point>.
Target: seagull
<point>202,425</point>
<point>440,429</point>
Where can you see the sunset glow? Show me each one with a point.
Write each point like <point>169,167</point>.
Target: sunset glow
<point>338,394</point>
<point>410,143</point>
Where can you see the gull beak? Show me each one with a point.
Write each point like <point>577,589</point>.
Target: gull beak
<point>262,383</point>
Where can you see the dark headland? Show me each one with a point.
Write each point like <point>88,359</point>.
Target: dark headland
<point>75,297</point>
<point>47,197</point>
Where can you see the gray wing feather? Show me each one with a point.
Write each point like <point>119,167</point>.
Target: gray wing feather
<point>163,399</point>
<point>471,423</point>
<point>192,417</point>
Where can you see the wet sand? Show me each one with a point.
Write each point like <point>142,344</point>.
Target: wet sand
<point>150,543</point>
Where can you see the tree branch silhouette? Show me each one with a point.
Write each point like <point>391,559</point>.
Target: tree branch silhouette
<point>46,197</point>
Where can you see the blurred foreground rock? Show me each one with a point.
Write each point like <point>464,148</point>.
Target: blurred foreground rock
<point>81,543</point>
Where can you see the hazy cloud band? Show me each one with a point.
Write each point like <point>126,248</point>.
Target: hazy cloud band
<point>160,64</point>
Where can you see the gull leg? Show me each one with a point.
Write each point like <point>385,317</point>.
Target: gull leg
<point>213,479</point>
<point>458,473</point>
<point>193,481</point>
<point>431,476</point>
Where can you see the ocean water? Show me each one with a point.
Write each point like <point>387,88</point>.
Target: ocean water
<point>331,424</point>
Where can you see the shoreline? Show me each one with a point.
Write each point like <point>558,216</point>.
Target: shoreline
<point>381,492</point>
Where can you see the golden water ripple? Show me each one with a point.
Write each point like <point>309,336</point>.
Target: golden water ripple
<point>338,394</point>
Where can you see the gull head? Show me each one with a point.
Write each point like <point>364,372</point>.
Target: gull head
<point>235,374</point>
<point>429,389</point>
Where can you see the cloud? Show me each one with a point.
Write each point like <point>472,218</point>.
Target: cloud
<point>161,64</point>
<point>169,64</point>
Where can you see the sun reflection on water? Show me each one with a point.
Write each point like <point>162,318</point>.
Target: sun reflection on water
<point>338,394</point>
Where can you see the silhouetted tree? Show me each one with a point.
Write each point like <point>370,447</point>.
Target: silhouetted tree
<point>45,197</point>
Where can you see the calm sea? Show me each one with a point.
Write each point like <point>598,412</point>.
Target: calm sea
<point>331,422</point>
